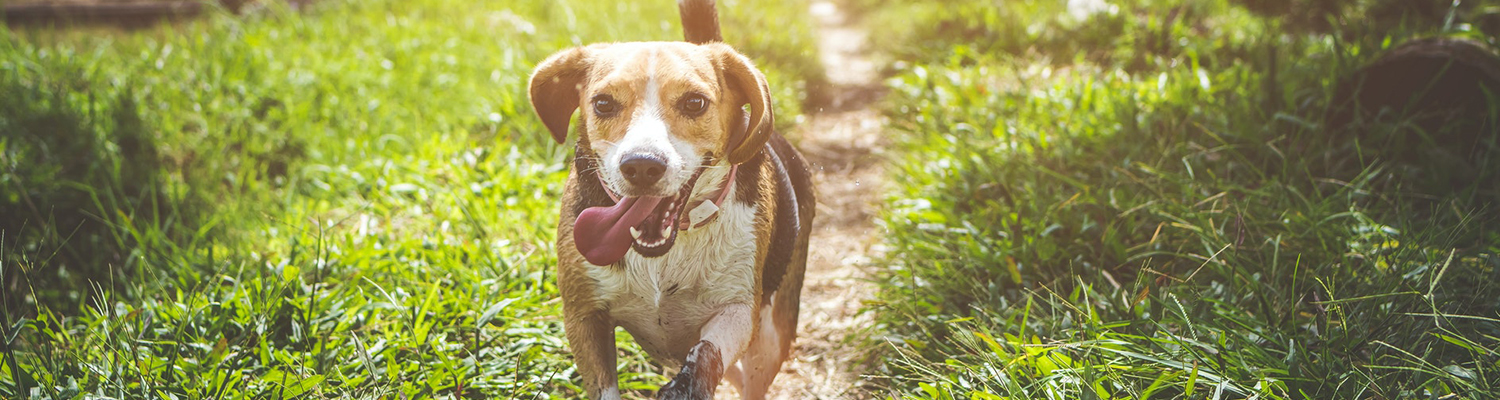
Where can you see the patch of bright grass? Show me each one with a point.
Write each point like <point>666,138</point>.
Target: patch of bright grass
<point>350,200</point>
<point>1184,227</point>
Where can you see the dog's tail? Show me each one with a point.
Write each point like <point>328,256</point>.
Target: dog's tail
<point>700,21</point>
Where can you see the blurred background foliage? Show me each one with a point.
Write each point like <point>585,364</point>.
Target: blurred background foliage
<point>1148,199</point>
<point>346,199</point>
<point>1097,199</point>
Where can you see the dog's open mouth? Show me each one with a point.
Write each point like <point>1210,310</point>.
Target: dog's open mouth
<point>647,224</point>
<point>655,235</point>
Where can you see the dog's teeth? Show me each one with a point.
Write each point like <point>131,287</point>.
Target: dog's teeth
<point>635,233</point>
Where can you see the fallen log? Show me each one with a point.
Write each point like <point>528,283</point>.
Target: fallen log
<point>132,14</point>
<point>1435,82</point>
<point>1432,105</point>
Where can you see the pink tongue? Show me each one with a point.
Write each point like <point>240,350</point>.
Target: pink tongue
<point>603,233</point>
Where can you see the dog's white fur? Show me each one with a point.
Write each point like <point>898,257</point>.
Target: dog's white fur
<point>708,275</point>
<point>649,133</point>
<point>722,302</point>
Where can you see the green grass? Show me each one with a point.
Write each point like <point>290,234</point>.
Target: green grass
<point>1146,204</point>
<point>349,200</point>
<point>354,200</point>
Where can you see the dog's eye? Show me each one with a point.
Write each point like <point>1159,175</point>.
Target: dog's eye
<point>605,106</point>
<point>693,104</point>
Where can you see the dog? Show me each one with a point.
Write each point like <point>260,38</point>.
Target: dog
<point>685,217</point>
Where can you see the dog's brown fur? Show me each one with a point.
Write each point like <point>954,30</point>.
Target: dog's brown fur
<point>721,319</point>
<point>615,69</point>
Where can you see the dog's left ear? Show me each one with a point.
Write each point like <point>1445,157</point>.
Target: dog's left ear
<point>555,86</point>
<point>742,78</point>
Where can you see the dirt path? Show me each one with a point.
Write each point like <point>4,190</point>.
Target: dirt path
<point>845,145</point>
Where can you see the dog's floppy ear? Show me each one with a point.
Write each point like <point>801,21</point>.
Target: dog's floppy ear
<point>555,86</point>
<point>742,78</point>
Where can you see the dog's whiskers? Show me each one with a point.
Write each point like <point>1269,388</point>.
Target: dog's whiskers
<point>720,267</point>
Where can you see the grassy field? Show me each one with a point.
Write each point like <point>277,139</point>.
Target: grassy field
<point>353,199</point>
<point>1145,202</point>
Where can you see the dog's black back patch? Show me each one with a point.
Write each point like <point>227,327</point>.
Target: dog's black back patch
<point>799,173</point>
<point>747,180</point>
<point>794,199</point>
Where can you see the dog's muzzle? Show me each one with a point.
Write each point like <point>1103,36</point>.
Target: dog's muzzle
<point>647,224</point>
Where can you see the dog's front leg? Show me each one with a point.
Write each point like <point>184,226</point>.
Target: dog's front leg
<point>592,340</point>
<point>722,340</point>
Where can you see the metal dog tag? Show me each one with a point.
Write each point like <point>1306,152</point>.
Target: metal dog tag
<point>702,213</point>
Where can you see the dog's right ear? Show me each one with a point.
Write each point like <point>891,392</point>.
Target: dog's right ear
<point>555,86</point>
<point>749,83</point>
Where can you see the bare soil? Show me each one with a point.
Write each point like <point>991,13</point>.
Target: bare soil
<point>845,144</point>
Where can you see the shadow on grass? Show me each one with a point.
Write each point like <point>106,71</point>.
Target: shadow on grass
<point>1093,233</point>
<point>81,190</point>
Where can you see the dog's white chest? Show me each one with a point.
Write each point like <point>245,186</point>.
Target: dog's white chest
<point>664,301</point>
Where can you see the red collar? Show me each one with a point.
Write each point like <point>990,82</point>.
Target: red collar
<point>717,201</point>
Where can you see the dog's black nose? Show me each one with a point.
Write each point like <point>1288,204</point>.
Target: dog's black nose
<point>642,170</point>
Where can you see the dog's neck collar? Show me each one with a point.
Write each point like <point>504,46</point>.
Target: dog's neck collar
<point>703,217</point>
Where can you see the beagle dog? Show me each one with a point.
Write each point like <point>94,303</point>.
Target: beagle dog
<point>685,217</point>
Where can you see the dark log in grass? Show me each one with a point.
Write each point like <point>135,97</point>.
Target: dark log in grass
<point>1432,104</point>
<point>129,14</point>
<point>135,14</point>
<point>1448,87</point>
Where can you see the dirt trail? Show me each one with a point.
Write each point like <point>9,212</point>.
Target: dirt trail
<point>845,146</point>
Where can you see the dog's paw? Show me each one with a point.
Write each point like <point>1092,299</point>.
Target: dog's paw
<point>699,377</point>
<point>682,387</point>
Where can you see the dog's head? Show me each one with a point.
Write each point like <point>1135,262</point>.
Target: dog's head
<point>655,115</point>
<point>655,111</point>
